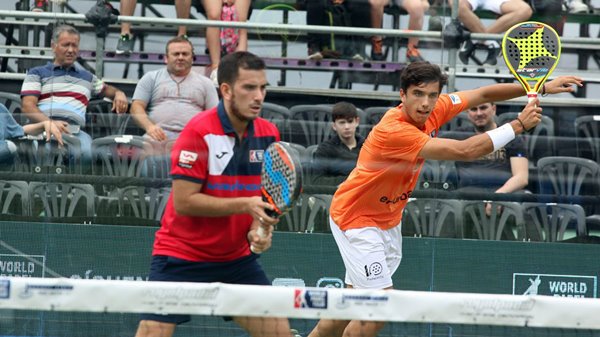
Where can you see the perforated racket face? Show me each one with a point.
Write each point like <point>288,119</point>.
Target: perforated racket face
<point>281,177</point>
<point>531,51</point>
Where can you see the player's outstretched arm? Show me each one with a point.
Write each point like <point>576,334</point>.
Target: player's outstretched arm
<point>482,144</point>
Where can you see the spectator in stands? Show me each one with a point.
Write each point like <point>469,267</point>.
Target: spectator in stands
<point>366,211</point>
<point>416,11</point>
<point>127,8</point>
<point>213,10</point>
<point>166,99</point>
<point>503,171</point>
<point>207,227</point>
<point>341,13</point>
<point>510,12</point>
<point>60,90</point>
<point>10,129</point>
<point>336,157</point>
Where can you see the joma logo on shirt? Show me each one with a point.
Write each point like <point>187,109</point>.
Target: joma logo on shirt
<point>386,200</point>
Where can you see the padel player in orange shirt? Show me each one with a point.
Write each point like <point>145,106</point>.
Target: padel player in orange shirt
<point>366,211</point>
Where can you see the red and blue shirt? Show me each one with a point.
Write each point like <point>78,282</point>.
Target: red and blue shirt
<point>63,93</point>
<point>208,152</point>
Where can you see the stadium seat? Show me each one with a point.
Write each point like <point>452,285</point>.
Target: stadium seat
<point>372,116</point>
<point>587,130</point>
<point>12,102</point>
<point>567,176</point>
<point>278,115</point>
<point>375,114</point>
<point>101,121</point>
<point>14,198</point>
<point>433,217</point>
<point>550,221</point>
<point>60,200</point>
<point>570,176</point>
<point>505,223</point>
<point>309,213</point>
<point>119,155</point>
<point>36,155</point>
<point>143,202</point>
<point>438,174</point>
<point>310,124</point>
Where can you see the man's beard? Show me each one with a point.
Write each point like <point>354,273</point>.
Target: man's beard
<point>235,111</point>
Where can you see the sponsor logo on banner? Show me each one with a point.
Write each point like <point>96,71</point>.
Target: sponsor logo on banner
<point>256,156</point>
<point>45,290</point>
<point>4,289</point>
<point>288,282</point>
<point>13,265</point>
<point>555,285</point>
<point>91,275</point>
<point>500,308</point>
<point>455,99</point>
<point>181,297</point>
<point>315,299</point>
<point>361,300</point>
<point>330,282</point>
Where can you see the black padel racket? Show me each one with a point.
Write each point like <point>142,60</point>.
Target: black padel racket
<point>531,51</point>
<point>281,179</point>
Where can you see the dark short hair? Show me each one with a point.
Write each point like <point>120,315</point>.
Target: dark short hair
<point>343,110</point>
<point>178,39</point>
<point>422,72</point>
<point>231,64</point>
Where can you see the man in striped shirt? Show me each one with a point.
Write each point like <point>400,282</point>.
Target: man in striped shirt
<point>61,90</point>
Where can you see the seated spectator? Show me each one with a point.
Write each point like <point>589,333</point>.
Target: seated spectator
<point>343,13</point>
<point>213,11</point>
<point>10,129</point>
<point>336,157</point>
<point>416,11</point>
<point>166,99</point>
<point>60,90</point>
<point>502,171</point>
<point>127,8</point>
<point>510,13</point>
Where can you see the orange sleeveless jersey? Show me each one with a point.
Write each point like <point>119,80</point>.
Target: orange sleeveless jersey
<point>388,167</point>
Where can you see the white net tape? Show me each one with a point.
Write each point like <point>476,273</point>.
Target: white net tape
<point>59,294</point>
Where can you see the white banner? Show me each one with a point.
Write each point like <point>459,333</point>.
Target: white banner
<point>55,294</point>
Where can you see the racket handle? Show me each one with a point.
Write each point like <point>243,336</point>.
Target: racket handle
<point>532,95</point>
<point>261,232</point>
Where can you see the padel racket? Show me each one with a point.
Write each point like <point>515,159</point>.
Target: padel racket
<point>281,180</point>
<point>531,51</point>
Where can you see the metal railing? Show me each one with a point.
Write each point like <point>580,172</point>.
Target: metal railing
<point>29,18</point>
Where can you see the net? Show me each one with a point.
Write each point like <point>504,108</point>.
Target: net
<point>61,307</point>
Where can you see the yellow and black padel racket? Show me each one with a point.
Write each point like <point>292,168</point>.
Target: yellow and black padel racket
<point>531,51</point>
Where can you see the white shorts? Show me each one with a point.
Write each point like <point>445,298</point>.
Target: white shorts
<point>490,5</point>
<point>371,255</point>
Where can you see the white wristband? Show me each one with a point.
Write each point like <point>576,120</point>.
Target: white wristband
<point>501,136</point>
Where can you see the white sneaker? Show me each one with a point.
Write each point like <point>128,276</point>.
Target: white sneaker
<point>213,77</point>
<point>358,57</point>
<point>315,56</point>
<point>577,6</point>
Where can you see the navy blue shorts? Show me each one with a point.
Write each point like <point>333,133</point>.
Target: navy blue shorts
<point>245,270</point>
